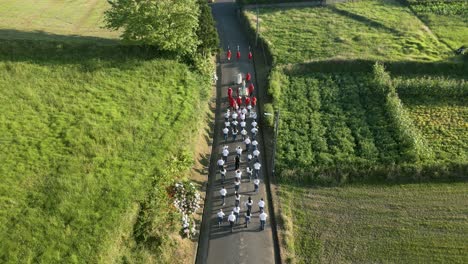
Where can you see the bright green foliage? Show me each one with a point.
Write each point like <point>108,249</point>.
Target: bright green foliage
<point>90,133</point>
<point>206,32</point>
<point>371,30</point>
<point>167,24</point>
<point>411,223</point>
<point>413,146</point>
<point>440,7</point>
<point>431,86</point>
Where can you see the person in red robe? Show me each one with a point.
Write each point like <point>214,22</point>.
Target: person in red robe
<point>229,54</point>
<point>251,89</point>
<point>232,102</point>
<point>239,101</point>
<point>254,101</point>
<point>229,92</point>
<point>238,55</point>
<point>250,56</point>
<point>248,77</point>
<point>247,101</point>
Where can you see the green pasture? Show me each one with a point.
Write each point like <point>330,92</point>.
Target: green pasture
<point>410,223</point>
<point>371,30</point>
<point>54,20</point>
<point>88,134</point>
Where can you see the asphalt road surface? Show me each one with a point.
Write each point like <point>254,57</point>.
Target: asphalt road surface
<point>217,244</point>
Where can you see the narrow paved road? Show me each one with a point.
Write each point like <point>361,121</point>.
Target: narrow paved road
<point>217,244</point>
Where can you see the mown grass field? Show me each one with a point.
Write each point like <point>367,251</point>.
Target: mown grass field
<point>410,223</point>
<point>54,20</point>
<point>91,135</point>
<point>375,30</point>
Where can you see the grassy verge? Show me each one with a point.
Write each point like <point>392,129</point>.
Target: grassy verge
<point>412,223</point>
<point>375,30</point>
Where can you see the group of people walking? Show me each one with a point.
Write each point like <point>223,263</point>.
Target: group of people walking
<point>236,118</point>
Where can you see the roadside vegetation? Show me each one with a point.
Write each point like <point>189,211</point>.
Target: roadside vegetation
<point>93,135</point>
<point>373,129</point>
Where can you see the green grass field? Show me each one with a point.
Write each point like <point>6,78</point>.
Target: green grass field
<point>447,19</point>
<point>84,140</point>
<point>411,223</point>
<point>54,20</point>
<point>91,136</point>
<point>375,30</point>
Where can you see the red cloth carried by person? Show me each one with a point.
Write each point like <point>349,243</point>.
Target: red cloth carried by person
<point>251,88</point>
<point>254,101</point>
<point>229,92</point>
<point>248,77</point>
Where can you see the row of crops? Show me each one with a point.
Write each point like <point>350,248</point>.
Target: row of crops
<point>440,7</point>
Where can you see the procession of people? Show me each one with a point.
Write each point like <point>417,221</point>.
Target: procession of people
<point>242,161</point>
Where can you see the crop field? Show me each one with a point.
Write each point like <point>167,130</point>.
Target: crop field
<point>447,19</point>
<point>91,135</point>
<point>439,109</point>
<point>341,127</point>
<point>54,20</point>
<point>339,124</point>
<point>375,30</point>
<point>410,223</point>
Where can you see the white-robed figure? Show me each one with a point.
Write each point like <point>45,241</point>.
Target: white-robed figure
<point>239,78</point>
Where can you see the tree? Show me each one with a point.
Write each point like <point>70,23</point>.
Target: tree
<point>206,32</point>
<point>170,25</point>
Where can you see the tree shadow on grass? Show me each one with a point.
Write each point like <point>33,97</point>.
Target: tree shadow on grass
<point>365,20</point>
<point>90,52</point>
<point>14,34</point>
